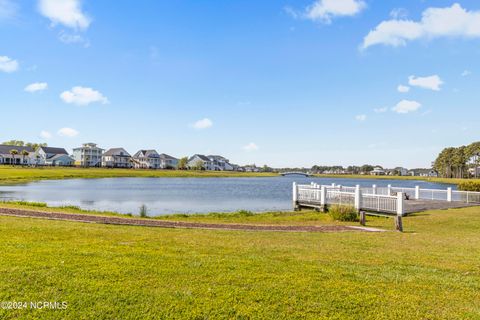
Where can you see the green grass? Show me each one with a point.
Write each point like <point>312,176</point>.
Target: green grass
<point>432,271</point>
<point>18,174</point>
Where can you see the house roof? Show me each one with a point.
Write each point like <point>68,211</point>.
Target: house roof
<point>58,156</point>
<point>146,153</point>
<point>5,149</point>
<point>54,150</point>
<point>167,157</point>
<point>201,156</point>
<point>217,157</point>
<point>116,152</point>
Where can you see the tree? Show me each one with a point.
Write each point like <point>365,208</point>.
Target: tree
<point>182,163</point>
<point>13,152</point>
<point>198,165</point>
<point>24,154</point>
<point>17,143</point>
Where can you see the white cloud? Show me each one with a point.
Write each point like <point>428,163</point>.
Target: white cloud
<point>82,96</point>
<point>66,12</point>
<point>361,117</point>
<point>45,134</point>
<point>380,110</point>
<point>203,124</point>
<point>399,13</point>
<point>7,64</point>
<point>466,73</point>
<point>68,132</point>
<point>251,147</point>
<point>452,21</point>
<point>403,89</point>
<point>8,9</point>
<point>69,38</point>
<point>37,86</point>
<point>432,82</point>
<point>326,10</point>
<point>406,106</point>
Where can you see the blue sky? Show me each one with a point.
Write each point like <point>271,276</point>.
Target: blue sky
<point>284,83</point>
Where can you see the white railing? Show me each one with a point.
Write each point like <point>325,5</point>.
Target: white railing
<point>316,195</point>
<point>340,197</point>
<point>410,192</point>
<point>433,194</point>
<point>466,196</point>
<point>379,203</point>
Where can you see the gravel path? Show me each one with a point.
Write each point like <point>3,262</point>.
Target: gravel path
<point>176,224</point>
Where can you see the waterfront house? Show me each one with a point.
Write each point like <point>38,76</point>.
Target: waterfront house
<point>24,155</point>
<point>146,159</point>
<point>168,162</point>
<point>88,155</point>
<point>220,163</point>
<point>251,168</point>
<point>116,158</point>
<point>51,156</point>
<point>199,161</point>
<point>377,171</point>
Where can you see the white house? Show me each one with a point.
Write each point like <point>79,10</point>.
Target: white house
<point>146,159</point>
<point>168,162</point>
<point>377,171</point>
<point>50,156</point>
<point>88,155</point>
<point>24,155</point>
<point>220,163</point>
<point>116,158</point>
<point>200,161</point>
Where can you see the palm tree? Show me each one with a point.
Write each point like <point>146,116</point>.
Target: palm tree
<point>13,152</point>
<point>24,154</point>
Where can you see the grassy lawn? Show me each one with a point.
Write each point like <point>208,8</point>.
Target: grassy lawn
<point>432,271</point>
<point>17,174</point>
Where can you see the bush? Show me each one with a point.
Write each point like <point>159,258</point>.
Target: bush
<point>143,211</point>
<point>469,186</point>
<point>343,213</point>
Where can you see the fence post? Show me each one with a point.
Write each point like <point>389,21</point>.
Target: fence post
<point>400,207</point>
<point>323,198</point>
<point>449,194</point>
<point>400,212</point>
<point>358,197</point>
<point>333,185</point>
<point>389,190</point>
<point>417,192</point>
<point>295,197</point>
<point>374,189</point>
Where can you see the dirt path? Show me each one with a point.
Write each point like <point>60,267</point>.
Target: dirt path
<point>176,224</point>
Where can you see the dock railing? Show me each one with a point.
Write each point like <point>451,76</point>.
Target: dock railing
<point>320,196</point>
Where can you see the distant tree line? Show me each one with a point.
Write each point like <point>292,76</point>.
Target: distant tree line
<point>456,162</point>
<point>20,143</point>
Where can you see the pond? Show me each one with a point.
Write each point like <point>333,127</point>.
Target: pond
<point>180,195</point>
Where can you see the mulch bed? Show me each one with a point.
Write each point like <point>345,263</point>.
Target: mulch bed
<point>174,224</point>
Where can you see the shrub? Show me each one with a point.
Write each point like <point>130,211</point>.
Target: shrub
<point>343,213</point>
<point>469,186</point>
<point>143,211</point>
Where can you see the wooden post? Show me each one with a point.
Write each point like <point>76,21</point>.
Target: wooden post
<point>398,223</point>
<point>363,218</point>
<point>323,198</point>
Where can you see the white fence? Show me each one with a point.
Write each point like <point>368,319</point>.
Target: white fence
<point>381,199</point>
<point>319,196</point>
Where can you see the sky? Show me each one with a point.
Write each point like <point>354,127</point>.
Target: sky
<point>284,83</point>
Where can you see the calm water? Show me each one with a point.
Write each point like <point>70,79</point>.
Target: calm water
<point>178,195</point>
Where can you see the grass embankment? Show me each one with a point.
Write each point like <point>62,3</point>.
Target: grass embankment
<point>416,178</point>
<point>10,174</point>
<point>102,271</point>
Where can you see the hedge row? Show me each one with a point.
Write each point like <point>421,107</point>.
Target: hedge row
<point>469,186</point>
